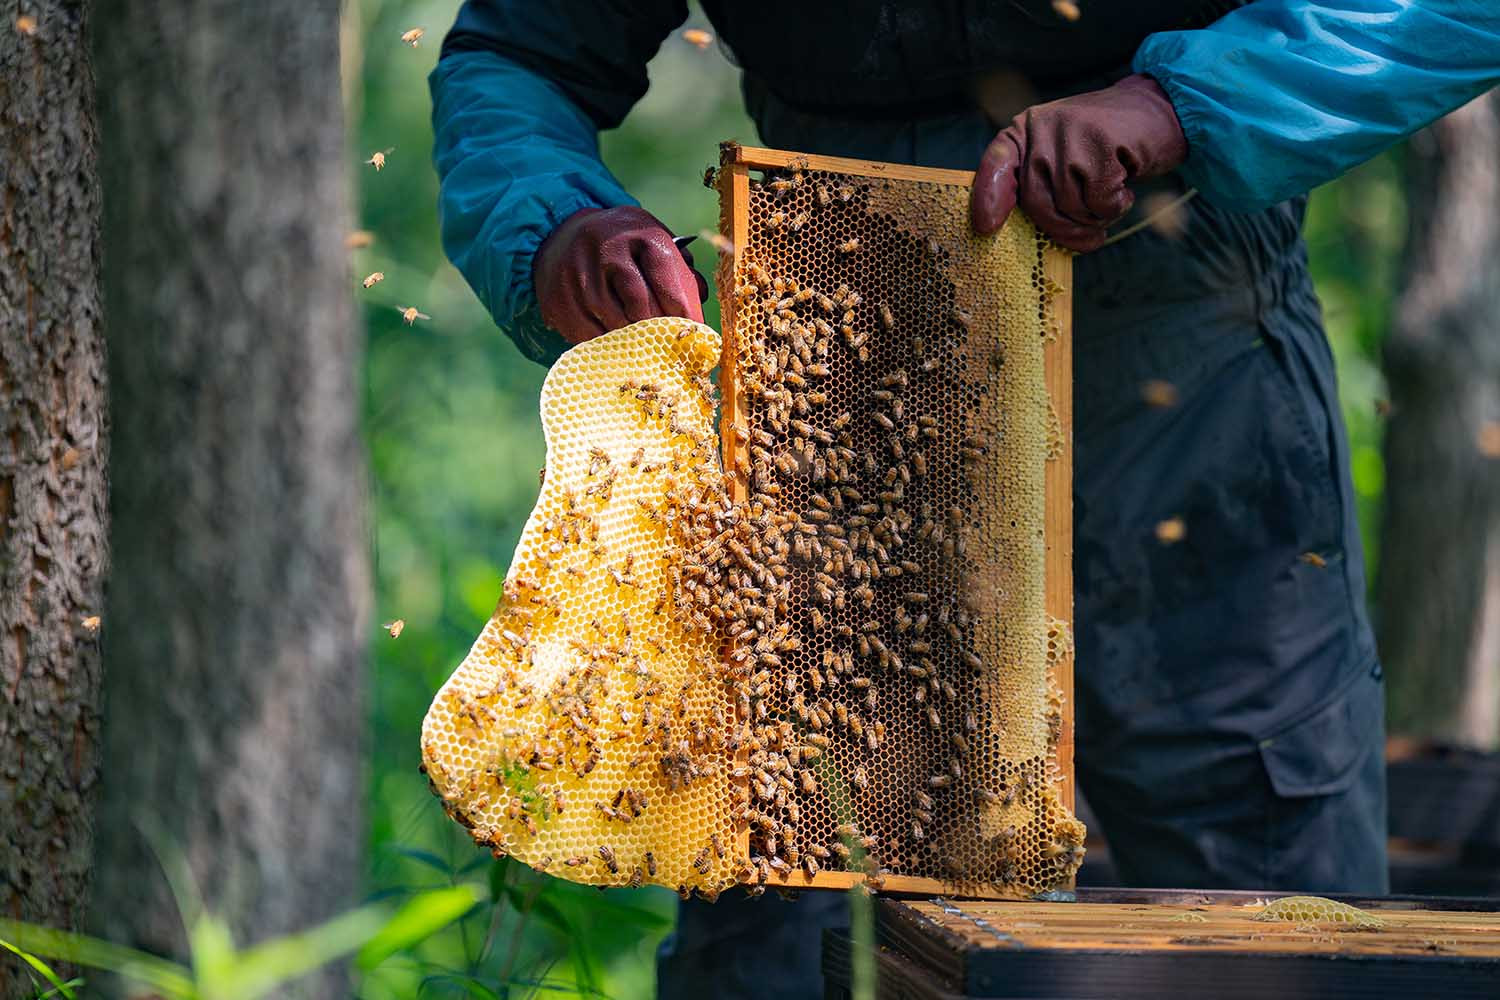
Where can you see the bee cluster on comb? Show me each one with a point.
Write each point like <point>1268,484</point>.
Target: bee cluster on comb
<point>832,657</point>
<point>887,409</point>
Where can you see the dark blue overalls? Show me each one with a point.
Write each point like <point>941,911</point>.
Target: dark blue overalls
<point>1229,701</point>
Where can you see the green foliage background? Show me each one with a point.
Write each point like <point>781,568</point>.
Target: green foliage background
<point>454,441</point>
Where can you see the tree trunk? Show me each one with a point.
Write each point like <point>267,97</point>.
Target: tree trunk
<point>236,659</point>
<point>1439,595</point>
<point>52,467</point>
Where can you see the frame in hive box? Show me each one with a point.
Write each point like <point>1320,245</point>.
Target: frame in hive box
<point>897,391</point>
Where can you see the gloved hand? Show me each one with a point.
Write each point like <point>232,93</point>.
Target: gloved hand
<point>606,267</point>
<point>1067,163</point>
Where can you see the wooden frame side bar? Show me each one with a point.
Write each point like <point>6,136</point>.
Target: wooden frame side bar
<point>1057,268</point>
<point>734,222</point>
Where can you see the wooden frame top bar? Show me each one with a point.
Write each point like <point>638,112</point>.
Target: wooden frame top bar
<point>758,158</point>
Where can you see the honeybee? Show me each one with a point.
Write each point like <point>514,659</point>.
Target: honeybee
<point>887,318</point>
<point>850,245</point>
<point>798,221</point>
<point>26,25</point>
<point>373,278</point>
<point>650,859</point>
<point>377,160</point>
<point>1066,9</point>
<point>411,314</point>
<point>701,862</point>
<point>635,877</point>
<point>718,241</point>
<point>776,220</point>
<point>394,627</point>
<point>91,624</point>
<point>412,36</point>
<point>359,239</point>
<point>698,38</point>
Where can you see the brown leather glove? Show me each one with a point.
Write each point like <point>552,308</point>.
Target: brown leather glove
<point>1067,163</point>
<point>606,267</point>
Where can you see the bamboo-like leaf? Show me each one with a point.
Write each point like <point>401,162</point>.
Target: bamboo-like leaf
<point>418,920</point>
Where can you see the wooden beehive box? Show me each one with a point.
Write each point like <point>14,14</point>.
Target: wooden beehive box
<point>900,391</point>
<point>1125,944</point>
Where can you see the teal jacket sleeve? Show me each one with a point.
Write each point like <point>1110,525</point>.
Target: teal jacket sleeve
<point>519,96</point>
<point>1280,96</point>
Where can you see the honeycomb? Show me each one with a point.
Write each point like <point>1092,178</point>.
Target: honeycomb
<point>1317,910</point>
<point>887,416</point>
<point>829,657</point>
<point>587,731</point>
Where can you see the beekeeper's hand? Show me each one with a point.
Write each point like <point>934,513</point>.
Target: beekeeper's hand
<point>604,268</point>
<point>1067,163</point>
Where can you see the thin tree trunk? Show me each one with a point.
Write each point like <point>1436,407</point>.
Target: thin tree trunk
<point>234,703</point>
<point>1439,593</point>
<point>52,467</point>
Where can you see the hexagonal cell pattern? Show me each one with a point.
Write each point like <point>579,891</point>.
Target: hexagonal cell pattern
<point>892,401</point>
<point>585,733</point>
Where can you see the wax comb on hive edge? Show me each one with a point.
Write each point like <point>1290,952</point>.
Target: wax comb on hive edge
<point>900,391</point>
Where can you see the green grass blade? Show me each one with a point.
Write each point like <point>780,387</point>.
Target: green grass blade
<point>165,977</point>
<point>45,970</point>
<point>259,970</point>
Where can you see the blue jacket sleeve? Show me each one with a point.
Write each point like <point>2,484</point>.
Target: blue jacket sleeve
<point>1282,95</point>
<point>518,98</point>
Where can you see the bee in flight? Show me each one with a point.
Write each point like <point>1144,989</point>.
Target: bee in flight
<point>377,160</point>
<point>412,36</point>
<point>373,278</point>
<point>411,314</point>
<point>394,627</point>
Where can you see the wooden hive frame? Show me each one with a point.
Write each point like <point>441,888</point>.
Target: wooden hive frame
<point>733,184</point>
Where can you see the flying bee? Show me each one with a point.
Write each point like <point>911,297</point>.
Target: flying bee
<point>411,314</point>
<point>412,36</point>
<point>377,160</point>
<point>373,278</point>
<point>698,38</point>
<point>394,627</point>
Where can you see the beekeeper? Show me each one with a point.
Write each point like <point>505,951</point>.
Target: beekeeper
<point>1229,697</point>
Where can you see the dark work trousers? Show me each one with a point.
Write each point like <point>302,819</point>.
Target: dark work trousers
<point>1229,702</point>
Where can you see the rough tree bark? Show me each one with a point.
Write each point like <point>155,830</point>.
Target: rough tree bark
<point>239,596</point>
<point>1439,587</point>
<point>52,467</point>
